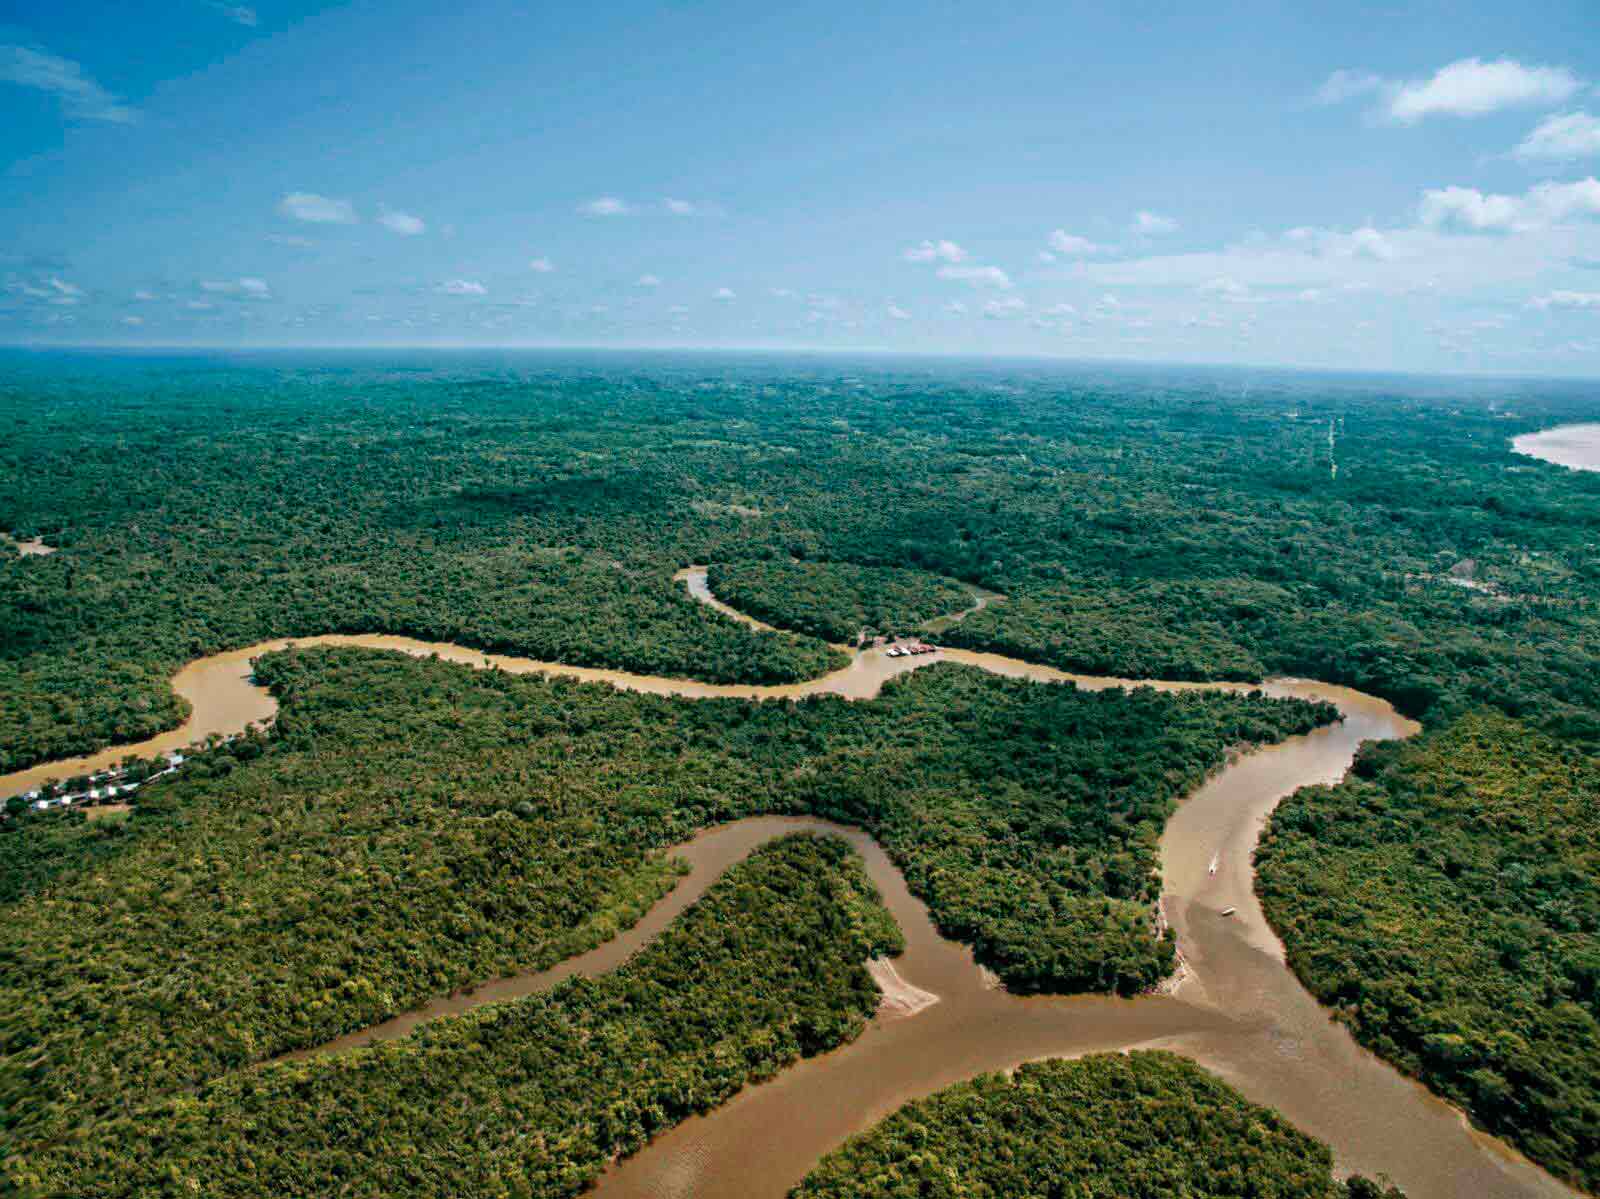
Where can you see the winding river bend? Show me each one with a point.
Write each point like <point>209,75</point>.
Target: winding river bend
<point>1235,1007</point>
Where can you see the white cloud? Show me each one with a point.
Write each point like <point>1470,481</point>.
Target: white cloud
<point>935,251</point>
<point>956,308</point>
<point>978,276</point>
<point>239,14</point>
<point>1472,87</point>
<point>1541,206</point>
<point>723,293</point>
<point>1469,208</point>
<point>1000,309</point>
<point>679,207</point>
<point>605,206</point>
<point>247,288</point>
<point>318,210</point>
<point>1226,287</point>
<point>898,313</point>
<point>784,293</point>
<point>1567,299</point>
<point>80,97</point>
<point>290,239</point>
<point>463,287</point>
<point>133,320</point>
<point>647,281</point>
<point>541,266</point>
<point>1074,246</point>
<point>1045,257</point>
<point>62,288</point>
<point>200,305</point>
<point>679,310</point>
<point>1561,137</point>
<point>402,223</point>
<point>144,297</point>
<point>1152,224</point>
<point>1558,201</point>
<point>1345,85</point>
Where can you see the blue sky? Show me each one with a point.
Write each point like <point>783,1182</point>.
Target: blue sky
<point>1370,185</point>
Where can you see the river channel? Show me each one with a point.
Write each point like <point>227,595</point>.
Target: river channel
<point>1234,1007</point>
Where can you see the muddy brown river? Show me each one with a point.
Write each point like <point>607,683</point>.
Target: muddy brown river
<point>1577,446</point>
<point>1234,1006</point>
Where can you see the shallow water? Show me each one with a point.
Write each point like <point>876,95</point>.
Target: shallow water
<point>1236,1008</point>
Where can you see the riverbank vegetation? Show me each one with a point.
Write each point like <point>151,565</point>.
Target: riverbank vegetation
<point>836,601</point>
<point>531,1097</point>
<point>412,826</point>
<point>1109,1124</point>
<point>1445,902</point>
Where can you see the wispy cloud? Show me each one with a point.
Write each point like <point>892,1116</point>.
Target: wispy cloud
<point>462,287</point>
<point>605,206</point>
<point>1345,85</point>
<point>724,294</point>
<point>246,288</point>
<point>647,281</point>
<point>403,223</point>
<point>239,14</point>
<point>934,251</point>
<point>1073,246</point>
<point>680,207</point>
<point>318,210</point>
<point>1567,299</point>
<point>80,97</point>
<point>978,276</point>
<point>1561,138</point>
<point>541,266</point>
<point>897,313</point>
<point>1152,224</point>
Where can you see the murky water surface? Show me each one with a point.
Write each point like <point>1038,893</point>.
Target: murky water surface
<point>1236,1008</point>
<point>1577,446</point>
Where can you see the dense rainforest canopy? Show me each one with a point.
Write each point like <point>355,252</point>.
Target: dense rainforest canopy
<point>1101,1127</point>
<point>410,826</point>
<point>1445,901</point>
<point>767,966</point>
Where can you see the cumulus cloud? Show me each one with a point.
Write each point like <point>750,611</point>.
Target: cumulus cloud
<point>1543,205</point>
<point>935,251</point>
<point>1073,246</point>
<point>1567,299</point>
<point>318,210</point>
<point>402,223</point>
<point>897,313</point>
<point>463,287</point>
<point>1469,208</point>
<point>978,276</point>
<point>80,97</point>
<point>647,281</point>
<point>605,206</point>
<point>1473,88</point>
<point>541,266</point>
<point>1152,224</point>
<point>1561,138</point>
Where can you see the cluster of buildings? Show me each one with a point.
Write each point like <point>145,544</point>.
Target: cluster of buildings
<point>105,787</point>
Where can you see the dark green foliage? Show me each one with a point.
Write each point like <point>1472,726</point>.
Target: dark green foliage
<point>1100,1127</point>
<point>836,601</point>
<point>413,826</point>
<point>1446,902</point>
<point>530,1097</point>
